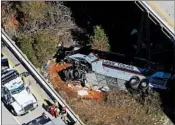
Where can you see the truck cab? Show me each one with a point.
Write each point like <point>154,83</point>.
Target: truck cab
<point>16,95</point>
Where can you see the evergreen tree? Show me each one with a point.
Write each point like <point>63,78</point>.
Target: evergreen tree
<point>99,40</point>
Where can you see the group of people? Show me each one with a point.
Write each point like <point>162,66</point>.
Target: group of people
<point>56,110</point>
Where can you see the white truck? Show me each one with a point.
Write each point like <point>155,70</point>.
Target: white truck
<point>15,94</point>
<point>141,78</point>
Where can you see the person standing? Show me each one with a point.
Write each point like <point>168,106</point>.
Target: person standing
<point>63,113</point>
<point>54,110</point>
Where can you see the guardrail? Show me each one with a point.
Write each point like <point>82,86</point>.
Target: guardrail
<point>19,54</point>
<point>170,31</point>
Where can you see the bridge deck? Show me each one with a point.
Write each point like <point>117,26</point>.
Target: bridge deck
<point>165,10</point>
<point>162,13</point>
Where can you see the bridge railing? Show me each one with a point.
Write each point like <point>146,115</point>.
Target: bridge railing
<point>165,27</point>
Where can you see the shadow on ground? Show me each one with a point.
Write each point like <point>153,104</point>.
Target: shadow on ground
<point>168,101</point>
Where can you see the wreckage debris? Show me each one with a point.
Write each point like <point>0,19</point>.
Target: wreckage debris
<point>72,89</point>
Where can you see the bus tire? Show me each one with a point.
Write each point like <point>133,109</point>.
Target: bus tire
<point>144,83</point>
<point>134,82</point>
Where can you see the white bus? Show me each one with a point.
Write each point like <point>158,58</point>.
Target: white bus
<point>136,77</point>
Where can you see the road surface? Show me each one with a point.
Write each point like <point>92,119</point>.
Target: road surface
<point>7,117</point>
<point>163,12</point>
<point>35,89</point>
<point>165,9</point>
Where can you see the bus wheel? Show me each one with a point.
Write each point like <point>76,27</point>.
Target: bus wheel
<point>134,82</point>
<point>144,84</point>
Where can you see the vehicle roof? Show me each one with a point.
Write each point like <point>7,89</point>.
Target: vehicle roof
<point>90,58</point>
<point>99,66</point>
<point>41,120</point>
<point>162,75</point>
<point>3,59</point>
<point>74,56</point>
<point>116,57</point>
<point>56,121</point>
<point>125,59</point>
<point>4,69</point>
<point>15,83</point>
<point>9,75</point>
<point>7,69</point>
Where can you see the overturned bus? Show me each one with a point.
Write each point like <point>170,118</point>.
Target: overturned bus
<point>96,69</point>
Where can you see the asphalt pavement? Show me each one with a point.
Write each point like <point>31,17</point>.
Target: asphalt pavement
<point>7,118</point>
<point>165,9</point>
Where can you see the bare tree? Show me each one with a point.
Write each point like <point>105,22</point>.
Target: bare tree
<point>41,26</point>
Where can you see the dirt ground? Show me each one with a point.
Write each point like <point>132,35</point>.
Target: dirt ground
<point>115,108</point>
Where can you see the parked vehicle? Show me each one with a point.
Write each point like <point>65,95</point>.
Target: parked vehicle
<point>45,120</point>
<point>15,94</point>
<point>4,61</point>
